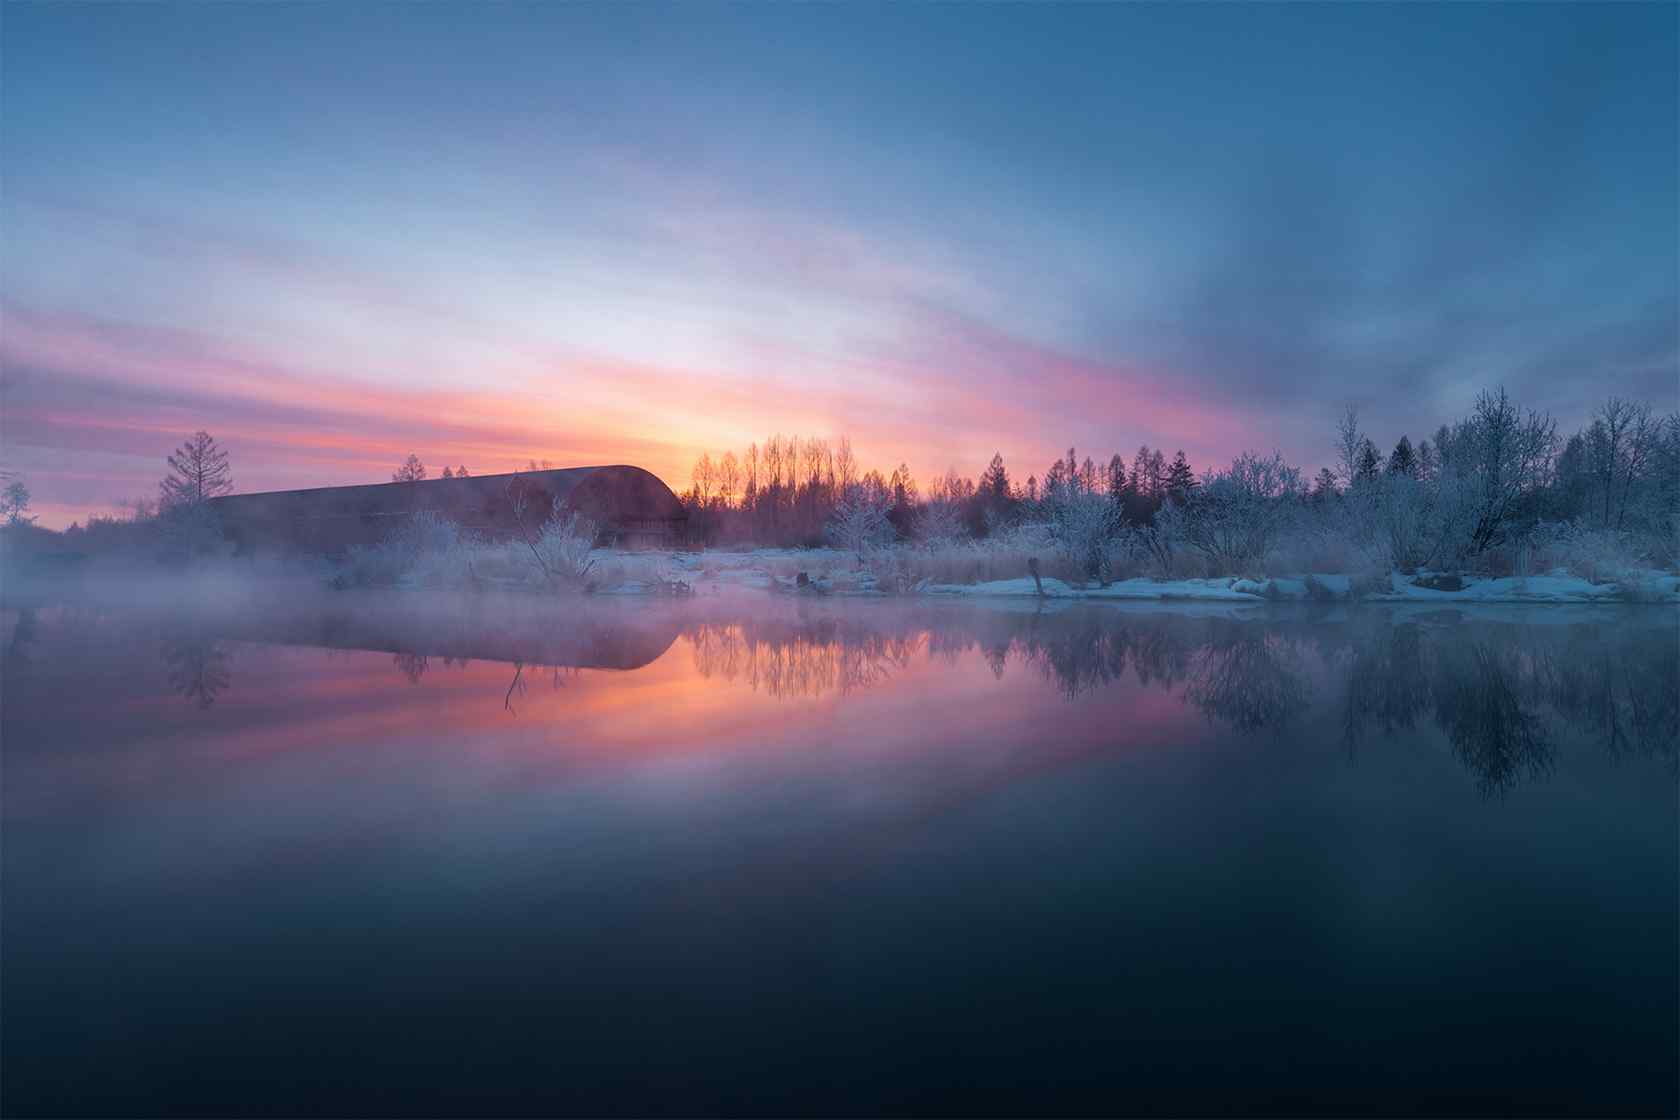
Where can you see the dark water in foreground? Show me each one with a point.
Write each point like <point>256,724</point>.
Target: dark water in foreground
<point>857,859</point>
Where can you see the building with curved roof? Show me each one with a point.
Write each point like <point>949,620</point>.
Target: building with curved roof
<point>631,508</point>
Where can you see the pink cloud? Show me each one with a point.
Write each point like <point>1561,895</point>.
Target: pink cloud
<point>937,389</point>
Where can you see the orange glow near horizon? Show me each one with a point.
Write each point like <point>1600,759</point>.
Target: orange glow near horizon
<point>110,401</point>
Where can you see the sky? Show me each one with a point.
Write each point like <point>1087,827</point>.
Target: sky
<point>335,234</point>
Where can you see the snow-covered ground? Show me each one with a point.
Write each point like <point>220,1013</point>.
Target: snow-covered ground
<point>833,571</point>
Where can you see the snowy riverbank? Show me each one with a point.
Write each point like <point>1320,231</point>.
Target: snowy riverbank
<point>833,572</point>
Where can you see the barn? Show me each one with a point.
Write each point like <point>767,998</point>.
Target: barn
<point>630,507</point>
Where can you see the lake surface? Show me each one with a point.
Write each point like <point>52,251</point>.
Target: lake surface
<point>817,857</point>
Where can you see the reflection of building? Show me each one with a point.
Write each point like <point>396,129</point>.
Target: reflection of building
<point>631,507</point>
<point>571,634</point>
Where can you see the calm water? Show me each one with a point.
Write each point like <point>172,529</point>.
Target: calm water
<point>841,859</point>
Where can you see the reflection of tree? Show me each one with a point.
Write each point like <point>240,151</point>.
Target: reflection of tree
<point>1082,653</point>
<point>803,659</point>
<point>515,685</point>
<point>197,669</point>
<point>1478,704</point>
<point>1387,683</point>
<point>1497,697</point>
<point>1616,689</point>
<point>17,644</point>
<point>411,665</point>
<point>1496,690</point>
<point>1250,680</point>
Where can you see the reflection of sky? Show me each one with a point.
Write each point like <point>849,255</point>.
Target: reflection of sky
<point>335,235</point>
<point>666,884</point>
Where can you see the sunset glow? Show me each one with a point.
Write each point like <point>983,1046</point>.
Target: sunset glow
<point>684,230</point>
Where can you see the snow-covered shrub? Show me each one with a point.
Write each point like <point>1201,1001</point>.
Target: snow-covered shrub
<point>425,545</point>
<point>1161,539</point>
<point>1083,523</point>
<point>1454,519</point>
<point>939,523</point>
<point>896,569</point>
<point>1234,517</point>
<point>1639,587</point>
<point>561,549</point>
<point>1596,555</point>
<point>860,521</point>
<point>438,554</point>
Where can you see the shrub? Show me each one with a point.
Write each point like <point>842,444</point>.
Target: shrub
<point>860,522</point>
<point>562,548</point>
<point>1596,555</point>
<point>1083,524</point>
<point>1235,517</point>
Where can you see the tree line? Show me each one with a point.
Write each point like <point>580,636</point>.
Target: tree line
<point>1490,490</point>
<point>1500,479</point>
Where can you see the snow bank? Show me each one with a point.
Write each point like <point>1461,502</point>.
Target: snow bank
<point>834,571</point>
<point>1203,589</point>
<point>1557,587</point>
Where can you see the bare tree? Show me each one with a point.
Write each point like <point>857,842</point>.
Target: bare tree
<point>704,478</point>
<point>412,470</point>
<point>1619,443</point>
<point>198,471</point>
<point>1349,442</point>
<point>845,466</point>
<point>1506,455</point>
<point>728,475</point>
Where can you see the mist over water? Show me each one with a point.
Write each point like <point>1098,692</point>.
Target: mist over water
<point>414,855</point>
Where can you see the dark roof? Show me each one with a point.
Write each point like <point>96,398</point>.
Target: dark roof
<point>621,500</point>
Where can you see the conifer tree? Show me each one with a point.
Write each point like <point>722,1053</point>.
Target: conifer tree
<point>1180,478</point>
<point>198,471</point>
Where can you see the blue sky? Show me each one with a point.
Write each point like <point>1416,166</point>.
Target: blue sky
<point>336,233</point>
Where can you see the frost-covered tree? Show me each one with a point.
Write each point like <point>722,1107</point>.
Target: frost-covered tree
<point>1082,523</point>
<point>1349,441</point>
<point>412,470</point>
<point>1504,456</point>
<point>940,518</point>
<point>447,473</point>
<point>1235,517</point>
<point>1618,446</point>
<point>198,471</point>
<point>938,522</point>
<point>860,519</point>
